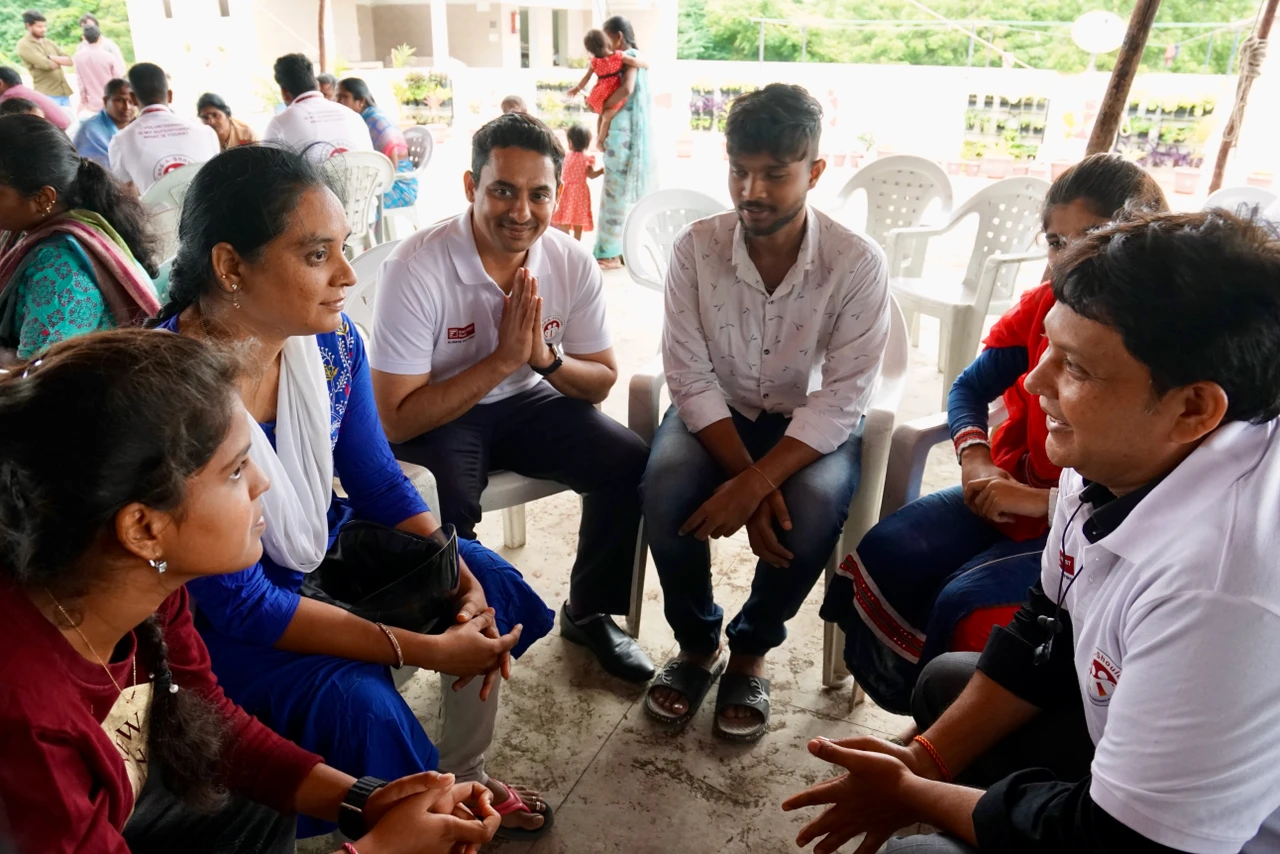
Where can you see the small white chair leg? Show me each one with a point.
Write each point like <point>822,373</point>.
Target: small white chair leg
<point>637,583</point>
<point>913,328</point>
<point>832,664</point>
<point>513,526</point>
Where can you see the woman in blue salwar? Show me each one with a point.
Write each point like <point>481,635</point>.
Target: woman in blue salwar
<point>260,268</point>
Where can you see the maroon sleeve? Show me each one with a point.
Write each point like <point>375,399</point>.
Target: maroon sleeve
<point>46,792</point>
<point>260,765</point>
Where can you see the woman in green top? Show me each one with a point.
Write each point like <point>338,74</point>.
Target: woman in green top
<point>628,151</point>
<point>75,252</point>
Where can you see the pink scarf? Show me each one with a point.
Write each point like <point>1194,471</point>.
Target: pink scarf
<point>126,290</point>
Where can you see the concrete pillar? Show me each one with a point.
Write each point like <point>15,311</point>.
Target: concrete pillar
<point>540,37</point>
<point>439,32</point>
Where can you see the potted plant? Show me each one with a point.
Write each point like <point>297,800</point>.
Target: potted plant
<point>1024,127</point>
<point>973,100</point>
<point>1206,107</point>
<point>988,101</point>
<point>1260,178</point>
<point>955,167</point>
<point>971,119</point>
<point>1186,179</point>
<point>1037,127</point>
<point>971,152</point>
<point>1042,104</point>
<point>1134,106</point>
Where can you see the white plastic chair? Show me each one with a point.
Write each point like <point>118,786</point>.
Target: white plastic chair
<point>364,176</point>
<point>651,229</point>
<point>1008,215</point>
<point>644,412</point>
<point>164,200</point>
<point>421,147</point>
<point>1241,200</point>
<point>367,266</point>
<point>899,190</point>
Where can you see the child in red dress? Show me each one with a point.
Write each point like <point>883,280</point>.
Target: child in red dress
<point>574,208</point>
<point>606,65</point>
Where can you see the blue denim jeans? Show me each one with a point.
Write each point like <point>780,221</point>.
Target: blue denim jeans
<point>681,475</point>
<point>933,562</point>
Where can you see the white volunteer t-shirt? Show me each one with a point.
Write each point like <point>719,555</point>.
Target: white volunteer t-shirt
<point>312,119</point>
<point>1176,618</point>
<point>437,310</point>
<point>159,141</point>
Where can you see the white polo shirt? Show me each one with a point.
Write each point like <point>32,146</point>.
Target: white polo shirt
<point>159,141</point>
<point>1176,617</point>
<point>437,310</point>
<point>312,119</point>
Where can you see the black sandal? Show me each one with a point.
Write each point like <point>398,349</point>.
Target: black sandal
<point>741,689</point>
<point>688,679</point>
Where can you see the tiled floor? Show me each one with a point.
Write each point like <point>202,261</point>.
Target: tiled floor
<point>617,782</point>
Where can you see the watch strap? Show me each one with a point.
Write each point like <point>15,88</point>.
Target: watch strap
<point>351,812</point>
<point>554,366</point>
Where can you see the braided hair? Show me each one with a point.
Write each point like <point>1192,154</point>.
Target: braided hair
<point>100,422</point>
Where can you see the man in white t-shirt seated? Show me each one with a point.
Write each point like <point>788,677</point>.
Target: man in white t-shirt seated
<point>158,140</point>
<point>1132,705</point>
<point>310,122</point>
<point>489,348</point>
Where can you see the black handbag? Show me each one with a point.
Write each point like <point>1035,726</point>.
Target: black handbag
<point>390,576</point>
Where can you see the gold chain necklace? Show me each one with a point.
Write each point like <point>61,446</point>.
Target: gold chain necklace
<point>88,645</point>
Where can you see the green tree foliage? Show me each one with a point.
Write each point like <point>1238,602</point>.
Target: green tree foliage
<point>722,29</point>
<point>63,27</point>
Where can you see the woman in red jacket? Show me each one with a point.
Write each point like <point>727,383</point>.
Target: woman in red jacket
<point>124,473</point>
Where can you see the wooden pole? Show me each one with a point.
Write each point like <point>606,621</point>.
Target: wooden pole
<point>320,40</point>
<point>1113,102</point>
<point>1247,72</point>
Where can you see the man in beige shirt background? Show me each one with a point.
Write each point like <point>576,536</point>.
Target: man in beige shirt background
<point>44,60</point>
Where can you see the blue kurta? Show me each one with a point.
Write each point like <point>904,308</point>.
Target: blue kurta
<point>349,712</point>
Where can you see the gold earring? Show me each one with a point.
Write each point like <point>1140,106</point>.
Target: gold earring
<point>48,209</point>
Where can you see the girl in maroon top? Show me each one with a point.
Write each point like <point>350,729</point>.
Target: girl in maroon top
<point>124,473</point>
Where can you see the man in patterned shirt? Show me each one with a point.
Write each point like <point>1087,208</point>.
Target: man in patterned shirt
<point>776,321</point>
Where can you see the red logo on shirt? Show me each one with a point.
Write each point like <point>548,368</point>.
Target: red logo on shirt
<point>1104,675</point>
<point>1066,562</point>
<point>551,328</point>
<point>462,333</point>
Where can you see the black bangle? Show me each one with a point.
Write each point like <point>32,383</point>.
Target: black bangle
<point>351,812</point>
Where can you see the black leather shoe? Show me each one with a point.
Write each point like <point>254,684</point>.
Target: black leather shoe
<point>616,650</point>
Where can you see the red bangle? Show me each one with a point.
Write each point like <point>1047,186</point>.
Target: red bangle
<point>935,756</point>
<point>348,848</point>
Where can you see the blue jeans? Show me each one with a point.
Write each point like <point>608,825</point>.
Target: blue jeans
<point>681,475</point>
<point>932,563</point>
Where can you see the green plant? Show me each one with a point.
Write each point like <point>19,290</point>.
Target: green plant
<point>973,149</point>
<point>868,141</point>
<point>401,54</point>
<point>972,118</point>
<point>268,92</point>
<point>578,62</point>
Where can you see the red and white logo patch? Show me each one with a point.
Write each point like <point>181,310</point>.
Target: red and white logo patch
<point>1066,562</point>
<point>168,164</point>
<point>461,333</point>
<point>552,328</point>
<point>1104,675</point>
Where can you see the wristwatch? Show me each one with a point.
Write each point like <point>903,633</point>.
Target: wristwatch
<point>555,365</point>
<point>351,812</point>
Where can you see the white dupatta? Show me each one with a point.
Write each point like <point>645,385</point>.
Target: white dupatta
<point>296,507</point>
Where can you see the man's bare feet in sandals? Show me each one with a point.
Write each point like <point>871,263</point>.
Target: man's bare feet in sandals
<point>531,821</point>
<point>673,702</point>
<point>733,718</point>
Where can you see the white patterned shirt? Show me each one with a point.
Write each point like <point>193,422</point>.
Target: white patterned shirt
<point>810,350</point>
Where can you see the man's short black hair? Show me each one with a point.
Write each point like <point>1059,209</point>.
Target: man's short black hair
<point>31,16</point>
<point>18,107</point>
<point>515,130</point>
<point>114,85</point>
<point>9,76</point>
<point>295,74</point>
<point>88,17</point>
<point>91,34</point>
<point>149,83</point>
<point>327,79</point>
<point>781,119</point>
<point>1195,298</point>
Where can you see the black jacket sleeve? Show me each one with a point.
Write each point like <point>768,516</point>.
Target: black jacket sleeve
<point>1009,657</point>
<point>1032,811</point>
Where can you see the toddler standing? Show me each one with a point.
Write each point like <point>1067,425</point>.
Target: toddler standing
<point>574,209</point>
